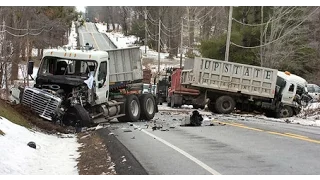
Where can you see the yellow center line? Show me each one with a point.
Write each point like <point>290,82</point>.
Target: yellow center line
<point>94,39</point>
<point>297,135</point>
<point>240,125</point>
<point>290,135</point>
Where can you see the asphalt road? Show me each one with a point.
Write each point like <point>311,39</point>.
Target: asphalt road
<point>233,147</point>
<point>89,34</point>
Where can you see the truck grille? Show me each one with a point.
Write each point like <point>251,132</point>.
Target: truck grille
<point>42,102</point>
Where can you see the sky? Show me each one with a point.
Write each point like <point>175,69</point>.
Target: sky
<point>80,8</point>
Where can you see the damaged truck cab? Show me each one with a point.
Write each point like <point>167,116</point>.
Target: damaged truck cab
<point>73,87</point>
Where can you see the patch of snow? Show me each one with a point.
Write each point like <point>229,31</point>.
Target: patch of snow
<point>52,156</point>
<point>72,39</point>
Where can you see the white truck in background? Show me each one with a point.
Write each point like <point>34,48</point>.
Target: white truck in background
<point>230,86</point>
<point>75,87</point>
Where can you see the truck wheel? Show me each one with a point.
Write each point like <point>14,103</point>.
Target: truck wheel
<point>285,112</point>
<point>132,109</point>
<point>147,104</point>
<point>169,102</point>
<point>77,114</point>
<point>225,105</point>
<point>172,105</point>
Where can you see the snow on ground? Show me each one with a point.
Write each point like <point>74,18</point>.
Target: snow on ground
<point>72,39</point>
<point>117,38</point>
<point>53,155</point>
<point>311,119</point>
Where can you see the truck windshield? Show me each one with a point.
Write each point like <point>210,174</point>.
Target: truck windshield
<point>60,66</point>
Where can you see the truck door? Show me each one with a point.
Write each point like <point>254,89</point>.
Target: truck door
<point>289,92</point>
<point>102,85</point>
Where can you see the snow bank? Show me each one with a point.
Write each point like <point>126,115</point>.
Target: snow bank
<point>53,156</point>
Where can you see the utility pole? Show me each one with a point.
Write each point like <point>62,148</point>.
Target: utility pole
<point>146,30</point>
<point>27,52</point>
<point>159,47</point>
<point>181,43</point>
<point>226,57</point>
<point>5,61</point>
<point>261,37</point>
<point>188,12</point>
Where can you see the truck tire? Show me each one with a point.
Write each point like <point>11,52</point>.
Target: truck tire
<point>172,105</point>
<point>285,112</point>
<point>77,115</point>
<point>147,105</point>
<point>224,104</point>
<point>132,109</point>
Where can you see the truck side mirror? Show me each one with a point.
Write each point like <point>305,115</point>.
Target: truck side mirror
<point>30,67</point>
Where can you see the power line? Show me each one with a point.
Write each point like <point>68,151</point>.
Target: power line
<point>207,14</point>
<point>261,24</point>
<point>153,23</point>
<point>168,29</point>
<point>245,47</point>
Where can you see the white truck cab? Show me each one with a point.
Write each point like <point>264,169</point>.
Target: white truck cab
<point>77,86</point>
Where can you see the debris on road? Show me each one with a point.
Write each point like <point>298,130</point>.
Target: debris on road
<point>126,130</point>
<point>194,120</point>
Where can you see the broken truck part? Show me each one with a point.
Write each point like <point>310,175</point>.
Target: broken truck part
<point>75,87</point>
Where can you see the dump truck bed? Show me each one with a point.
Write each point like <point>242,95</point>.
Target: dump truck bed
<point>125,65</point>
<point>232,77</point>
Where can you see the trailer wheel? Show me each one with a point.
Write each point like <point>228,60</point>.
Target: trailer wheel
<point>132,109</point>
<point>147,104</point>
<point>224,104</point>
<point>285,112</point>
<point>77,115</point>
<point>172,105</point>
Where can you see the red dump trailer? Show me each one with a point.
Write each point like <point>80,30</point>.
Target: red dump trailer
<point>178,95</point>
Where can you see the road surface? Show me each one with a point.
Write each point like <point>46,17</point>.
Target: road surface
<point>89,34</point>
<point>233,147</point>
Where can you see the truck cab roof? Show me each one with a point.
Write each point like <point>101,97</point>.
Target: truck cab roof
<point>294,78</point>
<point>83,54</point>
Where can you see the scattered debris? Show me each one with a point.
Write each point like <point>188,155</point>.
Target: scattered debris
<point>194,120</point>
<point>287,121</point>
<point>32,145</point>
<point>126,130</point>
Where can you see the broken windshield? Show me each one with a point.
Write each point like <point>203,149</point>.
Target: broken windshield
<point>61,66</point>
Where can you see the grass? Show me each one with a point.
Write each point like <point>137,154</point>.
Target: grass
<point>11,114</point>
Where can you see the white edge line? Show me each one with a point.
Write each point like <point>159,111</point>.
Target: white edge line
<point>200,163</point>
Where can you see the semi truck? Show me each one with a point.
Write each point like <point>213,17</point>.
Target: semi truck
<point>75,87</point>
<point>228,86</point>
